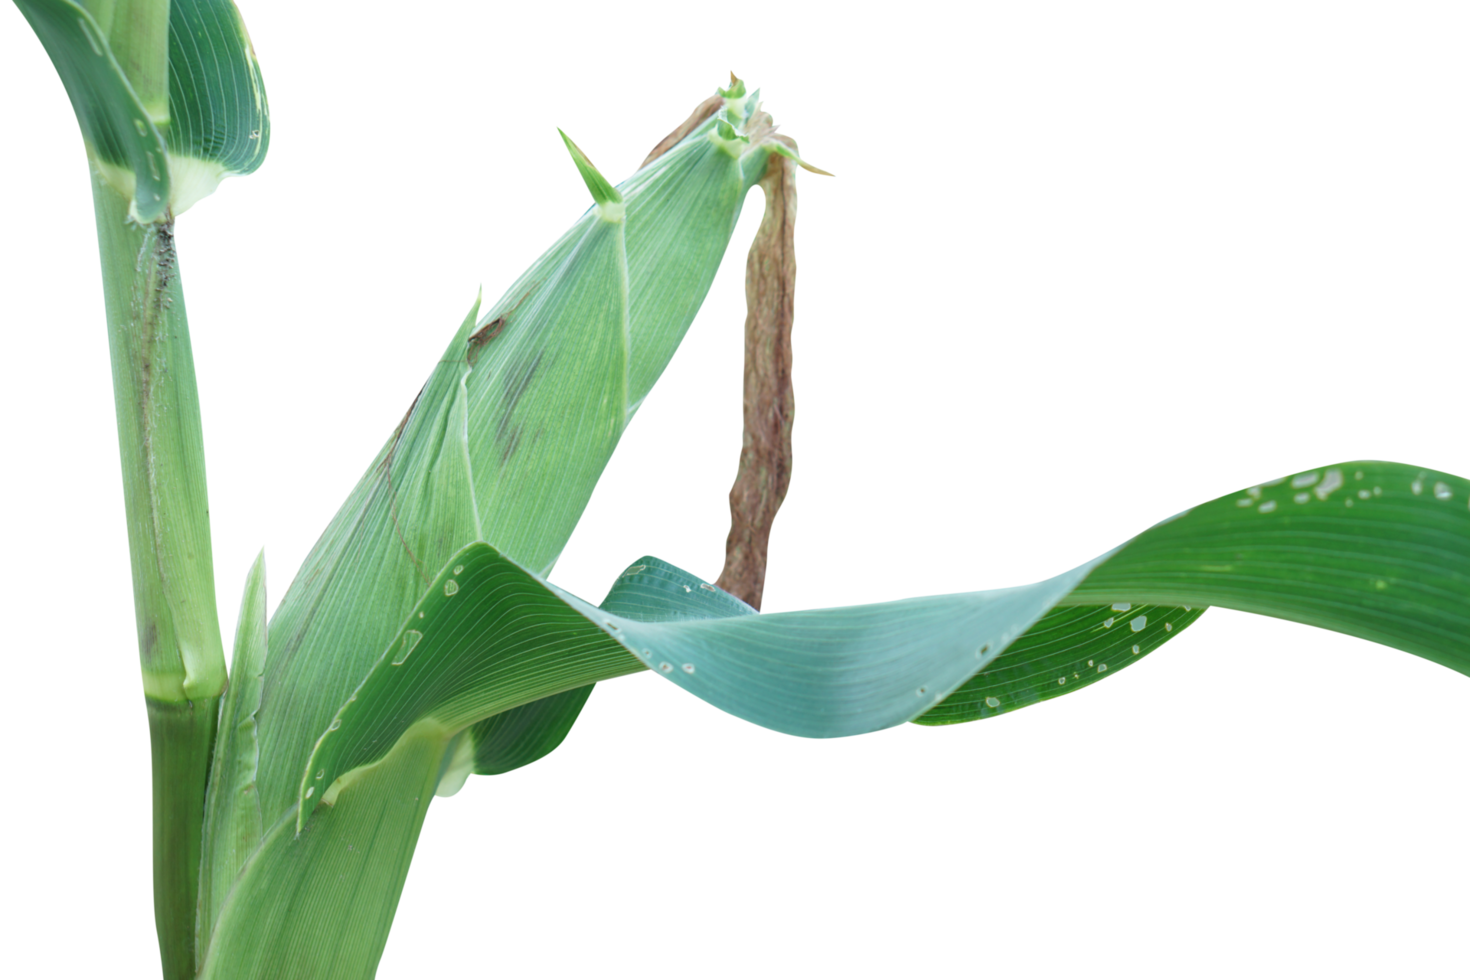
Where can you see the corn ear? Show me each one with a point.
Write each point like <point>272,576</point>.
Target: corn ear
<point>524,408</point>
<point>504,443</point>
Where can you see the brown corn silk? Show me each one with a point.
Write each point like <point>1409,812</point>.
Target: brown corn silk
<point>770,405</point>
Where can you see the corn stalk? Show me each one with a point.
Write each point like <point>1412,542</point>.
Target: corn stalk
<point>422,642</point>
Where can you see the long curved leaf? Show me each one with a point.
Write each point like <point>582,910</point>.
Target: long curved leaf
<point>1378,550</point>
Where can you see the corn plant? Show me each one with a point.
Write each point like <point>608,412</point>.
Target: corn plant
<point>422,641</point>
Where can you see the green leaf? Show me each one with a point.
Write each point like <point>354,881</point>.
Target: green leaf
<point>118,131</point>
<point>522,735</point>
<point>1068,649</point>
<point>217,122</point>
<point>1377,550</point>
<point>833,672</point>
<point>487,636</point>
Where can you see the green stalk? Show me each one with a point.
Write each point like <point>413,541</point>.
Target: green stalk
<point>182,736</point>
<point>162,449</point>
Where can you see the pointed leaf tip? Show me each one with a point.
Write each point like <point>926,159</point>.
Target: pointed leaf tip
<point>789,151</point>
<point>602,191</point>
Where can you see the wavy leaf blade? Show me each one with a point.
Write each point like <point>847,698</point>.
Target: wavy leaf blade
<point>1375,550</point>
<point>486,637</point>
<point>525,734</point>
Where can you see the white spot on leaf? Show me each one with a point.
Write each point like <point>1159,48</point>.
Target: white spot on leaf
<point>1332,481</point>
<point>410,640</point>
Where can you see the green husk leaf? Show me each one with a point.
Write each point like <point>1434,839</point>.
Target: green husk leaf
<point>319,904</point>
<point>602,192</point>
<point>232,821</point>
